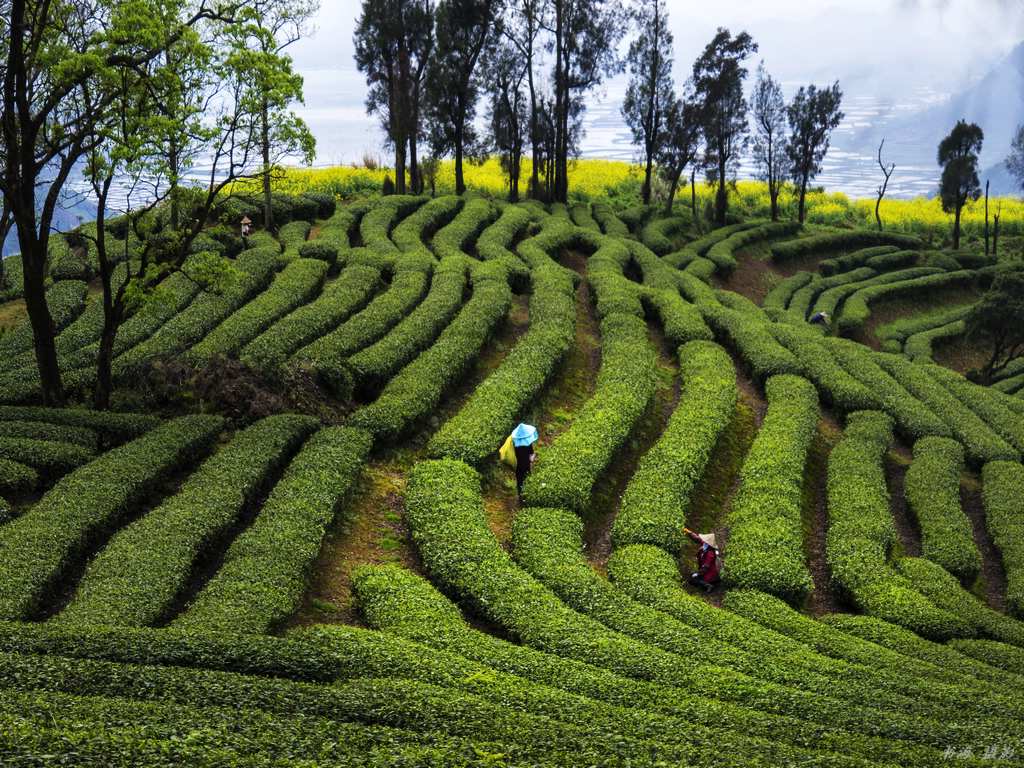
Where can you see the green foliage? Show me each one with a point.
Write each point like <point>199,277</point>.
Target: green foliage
<point>835,386</point>
<point>919,345</point>
<point>659,233</point>
<point>841,241</point>
<point>256,270</point>
<point>824,293</point>
<point>610,222</point>
<point>655,502</point>
<point>417,389</point>
<point>39,430</point>
<point>932,488</point>
<point>751,336</point>
<point>651,576</point>
<point>321,251</point>
<point>723,252</point>
<point>374,365</point>
<point>292,236</point>
<point>992,653</point>
<point>765,549</point>
<point>813,113</point>
<point>942,589</point>
<point>44,542</point>
<point>339,301</point>
<point>1003,496</point>
<point>702,245</point>
<point>135,579</point>
<point>297,283</point>
<point>15,477</point>
<point>846,262</point>
<point>958,156</point>
<point>913,418</point>
<point>998,320</point>
<point>51,459</point>
<point>66,301</point>
<point>325,203</point>
<point>114,427</point>
<point>479,427</point>
<point>327,353</point>
<point>861,533</point>
<point>857,309</point>
<point>894,335</point>
<point>780,295</point>
<point>265,570</point>
<point>906,645</point>
<point>981,443</point>
<point>566,471</point>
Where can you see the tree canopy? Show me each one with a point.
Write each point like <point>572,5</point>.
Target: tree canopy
<point>770,142</point>
<point>998,321</point>
<point>813,114</point>
<point>650,92</point>
<point>718,75</point>
<point>958,156</point>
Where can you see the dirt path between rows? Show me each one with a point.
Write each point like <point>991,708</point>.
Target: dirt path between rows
<point>908,534</point>
<point>607,497</point>
<point>372,528</point>
<point>993,576</point>
<point>823,598</point>
<point>712,498</point>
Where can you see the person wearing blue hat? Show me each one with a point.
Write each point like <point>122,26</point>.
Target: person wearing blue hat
<point>523,438</point>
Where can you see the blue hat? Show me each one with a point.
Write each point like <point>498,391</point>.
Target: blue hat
<point>524,434</point>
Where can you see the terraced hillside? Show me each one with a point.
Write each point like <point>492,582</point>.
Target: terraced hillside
<point>354,582</point>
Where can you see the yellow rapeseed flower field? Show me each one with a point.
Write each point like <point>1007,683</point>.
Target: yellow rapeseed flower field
<point>592,179</point>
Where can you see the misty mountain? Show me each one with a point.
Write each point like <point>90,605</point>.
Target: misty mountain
<point>995,102</point>
<point>67,216</point>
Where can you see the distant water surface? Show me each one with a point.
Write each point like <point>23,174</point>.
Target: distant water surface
<point>345,133</point>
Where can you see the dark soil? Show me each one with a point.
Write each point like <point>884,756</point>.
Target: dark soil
<point>908,534</point>
<point>755,274</point>
<point>607,497</point>
<point>713,497</point>
<point>993,577</point>
<point>372,528</point>
<point>823,598</point>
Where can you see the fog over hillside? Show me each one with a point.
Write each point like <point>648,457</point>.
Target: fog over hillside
<point>905,66</point>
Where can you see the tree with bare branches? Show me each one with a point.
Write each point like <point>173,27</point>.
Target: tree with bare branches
<point>57,60</point>
<point>886,173</point>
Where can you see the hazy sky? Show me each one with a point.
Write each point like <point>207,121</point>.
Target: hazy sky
<point>902,53</point>
<point>890,41</point>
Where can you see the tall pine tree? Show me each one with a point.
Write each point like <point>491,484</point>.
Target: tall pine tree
<point>718,76</point>
<point>813,114</point>
<point>650,92</point>
<point>464,28</point>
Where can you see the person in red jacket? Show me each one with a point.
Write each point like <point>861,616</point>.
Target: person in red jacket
<point>707,575</point>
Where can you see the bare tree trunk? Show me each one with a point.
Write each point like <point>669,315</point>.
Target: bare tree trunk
<point>693,194</point>
<point>721,194</point>
<point>986,217</point>
<point>415,182</point>
<point>995,234</point>
<point>534,130</point>
<point>42,329</point>
<point>803,198</point>
<point>400,168</point>
<point>672,191</point>
<point>886,172</point>
<point>268,215</point>
<point>646,191</point>
<point>460,184</point>
<point>956,228</point>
